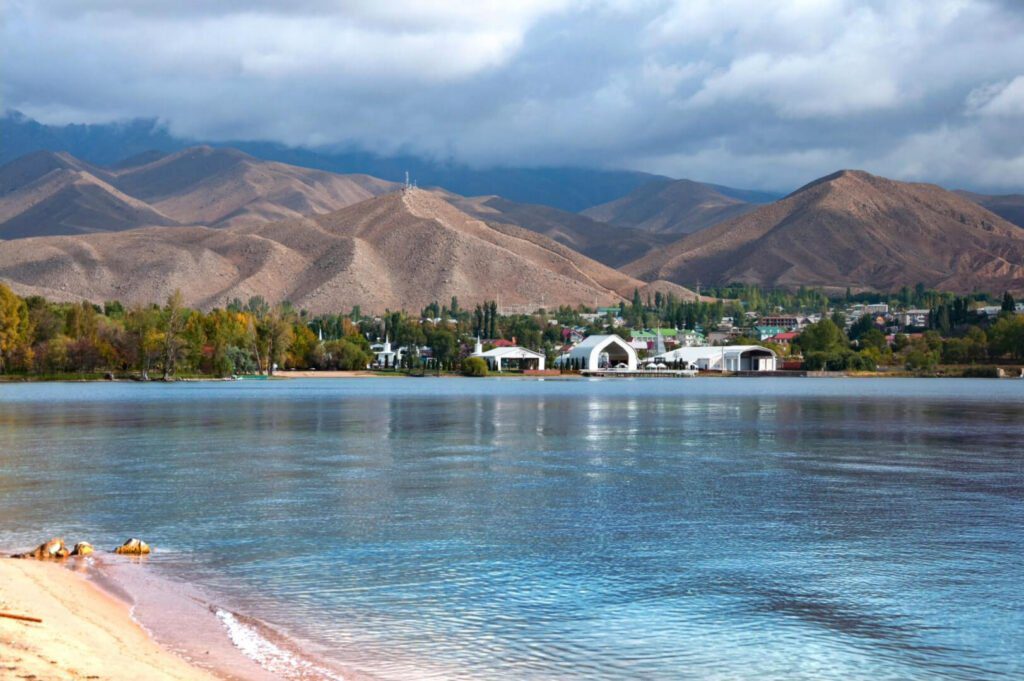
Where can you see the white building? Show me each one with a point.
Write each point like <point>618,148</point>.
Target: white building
<point>385,356</point>
<point>722,358</point>
<point>515,357</point>
<point>601,352</point>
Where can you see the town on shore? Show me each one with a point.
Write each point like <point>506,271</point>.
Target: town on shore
<point>738,329</point>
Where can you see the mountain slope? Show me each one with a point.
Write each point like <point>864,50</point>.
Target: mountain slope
<point>54,193</point>
<point>568,188</point>
<point>613,246</point>
<point>671,207</point>
<point>47,193</point>
<point>223,187</point>
<point>404,249</point>
<point>852,229</point>
<point>1009,207</point>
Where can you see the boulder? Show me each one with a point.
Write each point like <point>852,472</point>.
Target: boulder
<point>133,547</point>
<point>55,548</point>
<point>82,548</point>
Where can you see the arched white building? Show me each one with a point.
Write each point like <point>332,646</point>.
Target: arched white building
<point>722,358</point>
<point>515,357</point>
<point>595,353</point>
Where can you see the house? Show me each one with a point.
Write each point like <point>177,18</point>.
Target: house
<point>690,338</point>
<point>508,357</point>
<point>915,318</point>
<point>722,358</point>
<point>601,352</point>
<point>783,322</point>
<point>766,332</point>
<point>784,338</point>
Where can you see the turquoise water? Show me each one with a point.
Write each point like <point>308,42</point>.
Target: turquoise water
<point>704,528</point>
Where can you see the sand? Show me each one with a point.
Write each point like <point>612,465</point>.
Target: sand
<point>85,634</point>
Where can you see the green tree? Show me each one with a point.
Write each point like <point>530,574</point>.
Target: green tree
<point>172,323</point>
<point>142,325</point>
<point>824,336</point>
<point>474,366</point>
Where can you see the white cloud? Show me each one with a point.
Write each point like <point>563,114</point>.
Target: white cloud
<point>1005,99</point>
<point>769,92</point>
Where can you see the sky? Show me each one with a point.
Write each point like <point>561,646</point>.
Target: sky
<point>765,94</point>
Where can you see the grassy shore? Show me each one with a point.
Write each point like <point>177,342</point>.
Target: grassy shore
<point>84,634</point>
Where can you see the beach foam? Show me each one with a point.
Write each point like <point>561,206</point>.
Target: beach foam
<point>272,657</point>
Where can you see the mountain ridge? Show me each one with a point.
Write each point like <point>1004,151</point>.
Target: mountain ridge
<point>399,250</point>
<point>670,207</point>
<point>851,228</point>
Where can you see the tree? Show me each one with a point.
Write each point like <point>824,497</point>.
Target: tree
<point>173,320</point>
<point>824,336</point>
<point>1006,337</point>
<point>474,366</point>
<point>274,335</point>
<point>145,337</point>
<point>864,324</point>
<point>15,331</point>
<point>1009,304</point>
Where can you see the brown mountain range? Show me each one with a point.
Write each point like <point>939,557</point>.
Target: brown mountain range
<point>670,207</point>
<point>609,244</point>
<point>852,229</point>
<point>50,193</point>
<point>1009,207</point>
<point>401,250</point>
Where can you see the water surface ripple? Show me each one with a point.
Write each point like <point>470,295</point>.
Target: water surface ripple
<point>494,529</point>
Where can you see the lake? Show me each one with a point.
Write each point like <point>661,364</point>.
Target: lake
<point>535,529</point>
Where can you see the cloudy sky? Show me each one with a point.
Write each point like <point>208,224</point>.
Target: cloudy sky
<point>757,93</point>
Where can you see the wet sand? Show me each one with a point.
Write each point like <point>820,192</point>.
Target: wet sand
<point>86,633</point>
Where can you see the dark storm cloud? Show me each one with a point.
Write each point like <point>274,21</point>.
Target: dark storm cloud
<point>766,93</point>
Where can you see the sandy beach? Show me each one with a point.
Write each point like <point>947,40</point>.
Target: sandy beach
<point>85,633</point>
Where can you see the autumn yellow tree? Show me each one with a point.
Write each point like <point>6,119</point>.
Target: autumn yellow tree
<point>15,331</point>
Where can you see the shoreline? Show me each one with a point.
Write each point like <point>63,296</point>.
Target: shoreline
<point>113,618</point>
<point>85,632</point>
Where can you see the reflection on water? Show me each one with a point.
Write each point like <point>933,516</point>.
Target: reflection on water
<point>522,529</point>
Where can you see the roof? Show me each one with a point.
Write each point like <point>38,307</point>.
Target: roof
<point>788,336</point>
<point>692,354</point>
<point>514,352</point>
<point>591,342</point>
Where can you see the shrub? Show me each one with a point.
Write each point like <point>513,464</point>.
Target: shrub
<point>981,372</point>
<point>474,366</point>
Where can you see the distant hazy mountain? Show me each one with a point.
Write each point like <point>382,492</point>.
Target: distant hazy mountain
<point>852,229</point>
<point>1010,207</point>
<point>677,206</point>
<point>568,188</point>
<point>47,193</point>
<point>403,249</point>
<point>611,245</point>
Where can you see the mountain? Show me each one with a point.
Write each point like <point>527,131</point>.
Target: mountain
<point>1009,207</point>
<point>221,187</point>
<point>567,188</point>
<point>674,207</point>
<point>611,245</point>
<point>400,250</point>
<point>47,193</point>
<point>852,229</point>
